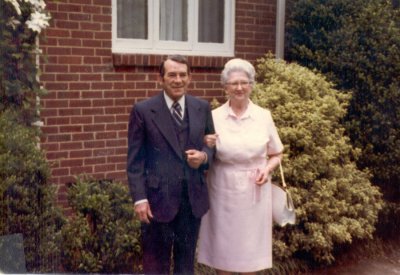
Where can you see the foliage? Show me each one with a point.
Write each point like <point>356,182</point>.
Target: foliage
<point>103,235</point>
<point>335,202</point>
<point>288,266</point>
<point>389,222</point>
<point>20,25</point>
<point>356,43</point>
<point>27,201</point>
<point>310,25</point>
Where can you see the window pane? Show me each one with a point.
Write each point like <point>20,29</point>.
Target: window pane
<point>173,20</point>
<point>132,19</point>
<point>211,21</point>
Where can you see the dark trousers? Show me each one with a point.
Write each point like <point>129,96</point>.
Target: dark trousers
<point>179,236</point>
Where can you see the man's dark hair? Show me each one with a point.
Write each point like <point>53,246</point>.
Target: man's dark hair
<point>177,58</point>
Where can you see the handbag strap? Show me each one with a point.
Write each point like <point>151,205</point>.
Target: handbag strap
<point>282,176</point>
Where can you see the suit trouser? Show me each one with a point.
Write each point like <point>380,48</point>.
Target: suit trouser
<point>180,236</point>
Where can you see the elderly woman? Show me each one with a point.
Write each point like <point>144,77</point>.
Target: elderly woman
<point>236,233</point>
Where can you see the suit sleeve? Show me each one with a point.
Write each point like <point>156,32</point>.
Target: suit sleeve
<point>136,156</point>
<point>209,130</point>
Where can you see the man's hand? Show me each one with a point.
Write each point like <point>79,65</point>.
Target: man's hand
<point>195,158</point>
<point>143,211</point>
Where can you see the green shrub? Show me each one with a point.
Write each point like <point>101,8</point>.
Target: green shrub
<point>26,198</point>
<point>103,235</point>
<point>356,43</point>
<point>20,25</point>
<point>335,201</point>
<point>389,222</point>
<point>310,26</point>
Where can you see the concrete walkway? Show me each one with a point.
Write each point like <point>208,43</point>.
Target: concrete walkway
<point>388,264</point>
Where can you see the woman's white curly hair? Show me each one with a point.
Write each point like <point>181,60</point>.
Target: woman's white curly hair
<point>238,65</point>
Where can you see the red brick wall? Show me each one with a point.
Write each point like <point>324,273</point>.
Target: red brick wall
<point>91,91</point>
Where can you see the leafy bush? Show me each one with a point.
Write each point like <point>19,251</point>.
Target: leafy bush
<point>310,25</point>
<point>26,199</point>
<point>336,202</point>
<point>356,43</point>
<point>20,25</point>
<point>389,222</point>
<point>102,236</point>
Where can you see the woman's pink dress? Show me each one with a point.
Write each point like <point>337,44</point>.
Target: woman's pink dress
<point>236,233</point>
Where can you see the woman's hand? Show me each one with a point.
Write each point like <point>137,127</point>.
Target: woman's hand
<point>262,176</point>
<point>210,140</point>
<point>273,161</point>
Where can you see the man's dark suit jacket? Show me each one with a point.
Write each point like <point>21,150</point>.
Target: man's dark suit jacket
<point>156,162</point>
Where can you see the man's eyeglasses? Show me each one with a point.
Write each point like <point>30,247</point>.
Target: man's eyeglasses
<point>241,83</point>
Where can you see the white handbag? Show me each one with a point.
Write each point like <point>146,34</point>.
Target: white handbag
<point>283,211</point>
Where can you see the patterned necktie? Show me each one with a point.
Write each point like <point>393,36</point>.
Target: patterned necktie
<point>177,113</point>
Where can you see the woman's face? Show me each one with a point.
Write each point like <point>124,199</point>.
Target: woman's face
<point>238,87</point>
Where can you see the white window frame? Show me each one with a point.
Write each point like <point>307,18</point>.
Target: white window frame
<point>153,45</point>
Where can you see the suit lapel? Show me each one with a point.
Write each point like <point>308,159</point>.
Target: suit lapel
<point>163,120</point>
<point>194,110</point>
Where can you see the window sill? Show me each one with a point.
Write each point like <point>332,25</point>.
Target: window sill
<point>144,60</point>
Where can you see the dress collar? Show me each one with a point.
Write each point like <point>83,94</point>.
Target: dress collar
<point>249,113</point>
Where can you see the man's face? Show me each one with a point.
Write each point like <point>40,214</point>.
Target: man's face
<point>175,80</point>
